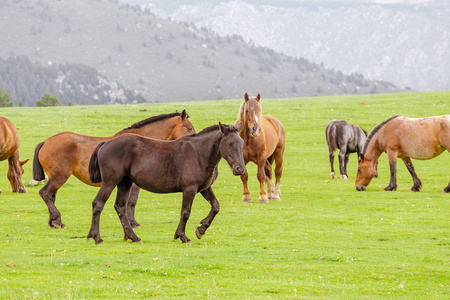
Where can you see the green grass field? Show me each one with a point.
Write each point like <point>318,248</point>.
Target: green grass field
<point>323,240</point>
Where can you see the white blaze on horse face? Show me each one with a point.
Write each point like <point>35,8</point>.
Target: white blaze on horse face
<point>256,118</point>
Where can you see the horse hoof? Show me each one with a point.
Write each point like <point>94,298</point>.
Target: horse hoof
<point>343,176</point>
<point>332,175</point>
<point>58,225</point>
<point>274,198</point>
<point>198,234</point>
<point>247,199</point>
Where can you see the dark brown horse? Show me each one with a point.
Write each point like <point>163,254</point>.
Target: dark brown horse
<point>264,139</point>
<point>9,149</point>
<point>346,137</point>
<point>187,165</point>
<point>68,153</point>
<point>406,138</point>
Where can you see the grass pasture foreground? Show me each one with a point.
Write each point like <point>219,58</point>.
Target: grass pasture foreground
<point>322,240</point>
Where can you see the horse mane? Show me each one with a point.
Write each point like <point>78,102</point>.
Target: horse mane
<point>153,120</point>
<point>210,129</point>
<point>374,131</point>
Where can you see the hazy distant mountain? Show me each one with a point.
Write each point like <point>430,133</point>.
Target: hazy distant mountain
<point>161,59</point>
<point>406,42</point>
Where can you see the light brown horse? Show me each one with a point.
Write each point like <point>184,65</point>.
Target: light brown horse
<point>406,138</point>
<point>68,153</point>
<point>9,149</point>
<point>264,139</point>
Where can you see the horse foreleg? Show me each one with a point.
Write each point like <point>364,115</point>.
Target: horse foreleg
<point>97,206</point>
<point>123,192</point>
<point>131,205</point>
<point>48,194</point>
<point>247,198</point>
<point>188,198</point>
<point>262,178</point>
<point>392,156</point>
<point>206,222</point>
<point>342,164</point>
<point>416,181</point>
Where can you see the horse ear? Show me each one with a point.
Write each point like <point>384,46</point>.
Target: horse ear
<point>361,157</point>
<point>23,162</point>
<point>221,127</point>
<point>239,127</point>
<point>258,97</point>
<point>246,97</point>
<point>184,115</point>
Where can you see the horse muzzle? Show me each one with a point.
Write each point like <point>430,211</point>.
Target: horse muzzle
<point>361,188</point>
<point>238,170</point>
<point>255,131</point>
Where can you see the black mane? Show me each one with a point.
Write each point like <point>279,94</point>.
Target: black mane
<point>374,131</point>
<point>212,129</point>
<point>153,120</point>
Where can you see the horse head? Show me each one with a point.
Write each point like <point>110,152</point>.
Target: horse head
<point>230,147</point>
<point>251,114</point>
<point>182,126</point>
<point>366,171</point>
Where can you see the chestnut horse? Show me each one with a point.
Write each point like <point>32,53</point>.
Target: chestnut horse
<point>264,139</point>
<point>187,165</point>
<point>9,149</point>
<point>406,138</point>
<point>346,137</point>
<point>68,153</point>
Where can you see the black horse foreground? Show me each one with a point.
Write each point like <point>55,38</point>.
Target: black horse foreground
<point>187,165</point>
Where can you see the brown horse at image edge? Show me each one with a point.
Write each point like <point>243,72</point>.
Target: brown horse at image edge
<point>68,153</point>
<point>264,141</point>
<point>9,149</point>
<point>405,138</point>
<point>188,165</point>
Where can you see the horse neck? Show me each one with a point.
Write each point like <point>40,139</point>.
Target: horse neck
<point>374,150</point>
<point>208,143</point>
<point>161,130</point>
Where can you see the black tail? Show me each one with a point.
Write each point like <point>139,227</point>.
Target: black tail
<point>94,170</point>
<point>38,171</point>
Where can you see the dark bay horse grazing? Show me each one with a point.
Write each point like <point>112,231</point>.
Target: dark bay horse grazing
<point>187,165</point>
<point>406,138</point>
<point>264,139</point>
<point>346,137</point>
<point>68,153</point>
<point>9,149</point>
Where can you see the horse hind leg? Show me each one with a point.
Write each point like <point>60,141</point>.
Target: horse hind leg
<point>331,156</point>
<point>123,192</point>
<point>48,194</point>
<point>131,206</point>
<point>417,184</point>
<point>271,192</point>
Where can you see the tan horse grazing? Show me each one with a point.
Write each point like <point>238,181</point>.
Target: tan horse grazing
<point>406,138</point>
<point>68,153</point>
<point>263,144</point>
<point>9,149</point>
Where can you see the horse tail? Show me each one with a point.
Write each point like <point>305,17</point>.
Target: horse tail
<point>330,134</point>
<point>38,171</point>
<point>94,170</point>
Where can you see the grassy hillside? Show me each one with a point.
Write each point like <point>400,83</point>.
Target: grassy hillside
<point>323,240</point>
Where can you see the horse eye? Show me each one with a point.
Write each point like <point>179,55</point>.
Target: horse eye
<point>189,129</point>
<point>359,170</point>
